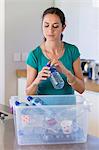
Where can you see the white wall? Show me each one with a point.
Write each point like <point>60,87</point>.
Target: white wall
<point>82,26</point>
<point>23,32</point>
<point>2,52</point>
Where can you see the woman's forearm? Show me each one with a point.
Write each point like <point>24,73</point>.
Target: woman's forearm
<point>76,83</point>
<point>32,89</point>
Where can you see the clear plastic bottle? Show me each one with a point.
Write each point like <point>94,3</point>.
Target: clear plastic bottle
<point>55,78</point>
<point>34,101</point>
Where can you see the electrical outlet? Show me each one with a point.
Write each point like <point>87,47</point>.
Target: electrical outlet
<point>17,56</point>
<point>24,56</point>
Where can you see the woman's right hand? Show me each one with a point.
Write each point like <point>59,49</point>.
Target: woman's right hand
<point>43,74</point>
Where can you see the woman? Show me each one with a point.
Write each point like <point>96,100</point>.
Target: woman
<point>64,56</point>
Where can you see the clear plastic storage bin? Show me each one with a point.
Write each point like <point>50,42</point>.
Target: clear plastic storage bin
<point>61,119</point>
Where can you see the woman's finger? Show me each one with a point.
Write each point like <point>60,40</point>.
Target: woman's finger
<point>53,62</point>
<point>46,68</point>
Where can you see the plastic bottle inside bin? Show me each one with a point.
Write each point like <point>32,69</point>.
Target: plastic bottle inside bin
<point>39,102</point>
<point>55,78</point>
<point>35,101</point>
<point>17,103</point>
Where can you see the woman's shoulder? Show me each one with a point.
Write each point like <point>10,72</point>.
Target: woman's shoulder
<point>72,50</point>
<point>33,57</point>
<point>69,45</point>
<point>36,50</point>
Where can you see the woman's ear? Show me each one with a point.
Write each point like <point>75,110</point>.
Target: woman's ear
<point>64,26</point>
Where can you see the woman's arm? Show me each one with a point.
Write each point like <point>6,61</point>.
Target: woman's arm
<point>76,80</point>
<point>34,78</point>
<point>31,86</point>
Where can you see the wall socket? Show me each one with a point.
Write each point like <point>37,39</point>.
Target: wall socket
<point>17,57</point>
<point>24,56</point>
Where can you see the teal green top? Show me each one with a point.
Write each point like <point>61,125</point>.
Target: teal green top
<point>38,60</point>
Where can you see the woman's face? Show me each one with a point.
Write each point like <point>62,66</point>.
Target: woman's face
<point>52,27</point>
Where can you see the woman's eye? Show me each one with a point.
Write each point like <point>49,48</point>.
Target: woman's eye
<point>55,26</point>
<point>46,26</point>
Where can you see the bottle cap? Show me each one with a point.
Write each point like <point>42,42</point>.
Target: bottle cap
<point>29,98</point>
<point>52,69</point>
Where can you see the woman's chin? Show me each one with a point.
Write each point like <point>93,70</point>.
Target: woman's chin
<point>51,39</point>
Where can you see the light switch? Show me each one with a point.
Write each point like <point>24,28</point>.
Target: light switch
<point>17,56</point>
<point>24,56</point>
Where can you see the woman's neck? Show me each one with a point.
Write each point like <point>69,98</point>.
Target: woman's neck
<point>54,47</point>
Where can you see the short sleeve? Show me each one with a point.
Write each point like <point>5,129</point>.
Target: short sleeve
<point>32,60</point>
<point>75,53</point>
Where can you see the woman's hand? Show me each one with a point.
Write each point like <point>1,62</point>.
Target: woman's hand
<point>43,74</point>
<point>76,81</point>
<point>62,69</point>
<point>59,66</point>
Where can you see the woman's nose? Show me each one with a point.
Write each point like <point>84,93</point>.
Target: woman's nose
<point>51,29</point>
